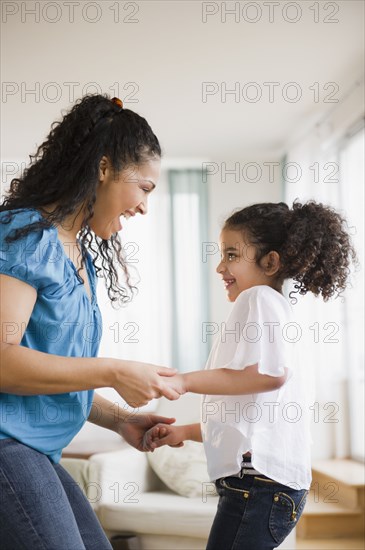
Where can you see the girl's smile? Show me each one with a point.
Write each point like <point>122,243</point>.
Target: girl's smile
<point>228,282</point>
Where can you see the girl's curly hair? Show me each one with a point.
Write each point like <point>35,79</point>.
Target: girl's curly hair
<point>65,169</point>
<point>311,239</point>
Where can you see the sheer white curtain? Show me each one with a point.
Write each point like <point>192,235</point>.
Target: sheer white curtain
<point>189,207</point>
<point>314,168</point>
<point>352,199</point>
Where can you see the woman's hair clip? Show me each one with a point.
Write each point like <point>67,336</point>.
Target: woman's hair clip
<point>118,102</point>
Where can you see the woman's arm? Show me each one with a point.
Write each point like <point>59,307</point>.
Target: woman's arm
<point>109,415</point>
<point>131,426</point>
<point>226,381</point>
<point>24,371</point>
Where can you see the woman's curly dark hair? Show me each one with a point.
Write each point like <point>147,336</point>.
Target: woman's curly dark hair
<point>311,239</point>
<point>65,170</point>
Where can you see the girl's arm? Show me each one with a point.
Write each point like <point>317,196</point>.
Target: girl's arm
<point>174,436</point>
<point>193,432</point>
<point>226,381</point>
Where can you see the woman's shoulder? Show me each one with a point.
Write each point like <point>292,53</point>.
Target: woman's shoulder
<point>22,213</point>
<point>18,218</point>
<point>17,213</point>
<point>30,255</point>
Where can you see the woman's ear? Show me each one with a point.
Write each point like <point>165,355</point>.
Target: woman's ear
<point>103,167</point>
<point>271,263</point>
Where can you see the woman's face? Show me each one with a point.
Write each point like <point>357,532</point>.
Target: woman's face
<point>124,194</point>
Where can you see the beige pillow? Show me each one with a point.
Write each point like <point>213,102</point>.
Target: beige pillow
<point>183,470</point>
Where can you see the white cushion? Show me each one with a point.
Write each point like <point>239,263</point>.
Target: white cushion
<point>118,474</point>
<point>160,513</point>
<point>183,470</point>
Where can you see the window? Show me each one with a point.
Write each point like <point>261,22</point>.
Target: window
<point>332,171</point>
<point>352,199</point>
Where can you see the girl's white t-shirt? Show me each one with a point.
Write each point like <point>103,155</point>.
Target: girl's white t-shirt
<point>273,426</point>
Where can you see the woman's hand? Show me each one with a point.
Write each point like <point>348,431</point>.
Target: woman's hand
<point>138,383</point>
<point>134,427</point>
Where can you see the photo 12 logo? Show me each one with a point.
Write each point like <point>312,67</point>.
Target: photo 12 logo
<point>270,171</point>
<point>268,411</point>
<point>70,12</point>
<point>54,92</point>
<point>269,92</point>
<point>269,12</point>
<point>271,332</point>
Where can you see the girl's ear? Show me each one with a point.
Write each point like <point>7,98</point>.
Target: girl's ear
<point>271,263</point>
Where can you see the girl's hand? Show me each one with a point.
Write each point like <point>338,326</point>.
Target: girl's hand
<point>163,434</point>
<point>134,428</point>
<point>138,383</point>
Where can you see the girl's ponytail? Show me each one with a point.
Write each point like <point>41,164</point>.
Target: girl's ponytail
<point>317,251</point>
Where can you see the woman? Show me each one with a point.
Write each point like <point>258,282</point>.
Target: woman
<point>59,229</point>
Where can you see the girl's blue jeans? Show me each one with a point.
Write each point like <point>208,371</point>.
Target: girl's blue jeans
<point>254,513</point>
<point>41,506</point>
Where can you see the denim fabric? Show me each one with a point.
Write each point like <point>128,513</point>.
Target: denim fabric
<point>254,513</point>
<point>41,506</point>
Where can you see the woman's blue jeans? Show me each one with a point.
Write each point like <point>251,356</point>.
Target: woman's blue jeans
<point>41,506</point>
<point>254,513</point>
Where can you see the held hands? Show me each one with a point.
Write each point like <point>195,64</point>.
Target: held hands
<point>177,383</point>
<point>163,434</point>
<point>135,429</point>
<point>138,383</point>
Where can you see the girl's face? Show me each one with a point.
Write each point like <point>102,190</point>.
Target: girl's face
<point>238,267</point>
<point>125,194</point>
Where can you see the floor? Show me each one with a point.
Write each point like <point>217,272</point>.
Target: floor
<point>331,544</point>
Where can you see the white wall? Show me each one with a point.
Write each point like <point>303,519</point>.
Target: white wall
<point>158,54</point>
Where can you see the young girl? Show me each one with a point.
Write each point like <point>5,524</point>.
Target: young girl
<point>254,424</point>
